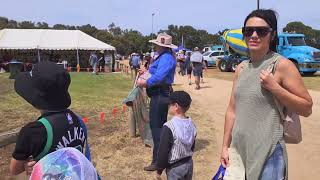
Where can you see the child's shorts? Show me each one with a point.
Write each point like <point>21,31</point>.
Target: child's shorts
<point>183,171</point>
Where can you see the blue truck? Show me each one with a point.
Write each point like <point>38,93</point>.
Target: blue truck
<point>291,45</point>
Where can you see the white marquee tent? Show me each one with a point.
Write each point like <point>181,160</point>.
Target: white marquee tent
<point>48,39</point>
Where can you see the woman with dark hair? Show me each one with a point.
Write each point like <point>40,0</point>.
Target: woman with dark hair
<point>253,125</point>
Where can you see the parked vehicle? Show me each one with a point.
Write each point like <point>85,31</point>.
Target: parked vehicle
<point>291,46</point>
<point>213,48</point>
<point>210,57</point>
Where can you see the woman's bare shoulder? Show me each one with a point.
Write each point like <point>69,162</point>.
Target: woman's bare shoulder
<point>285,64</point>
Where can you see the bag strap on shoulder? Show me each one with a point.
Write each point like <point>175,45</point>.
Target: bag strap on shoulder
<point>48,145</point>
<point>273,67</point>
<point>274,63</point>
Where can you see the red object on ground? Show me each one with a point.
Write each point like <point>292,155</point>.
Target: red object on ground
<point>85,120</point>
<point>124,108</point>
<point>114,112</point>
<point>102,117</point>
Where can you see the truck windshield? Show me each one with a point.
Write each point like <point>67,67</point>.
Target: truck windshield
<point>296,41</point>
<point>206,53</point>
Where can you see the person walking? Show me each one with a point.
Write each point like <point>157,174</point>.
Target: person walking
<point>159,88</point>
<point>107,61</point>
<point>188,67</point>
<point>253,125</point>
<point>181,60</point>
<point>197,63</point>
<point>93,61</point>
<point>135,63</point>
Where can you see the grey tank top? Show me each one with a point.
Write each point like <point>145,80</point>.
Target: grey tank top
<point>257,128</point>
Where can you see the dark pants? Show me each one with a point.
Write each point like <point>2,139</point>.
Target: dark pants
<point>182,172</point>
<point>182,68</point>
<point>158,116</point>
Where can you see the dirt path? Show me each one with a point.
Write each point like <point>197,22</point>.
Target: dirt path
<point>212,101</point>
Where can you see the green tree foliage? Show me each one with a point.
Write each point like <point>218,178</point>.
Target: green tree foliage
<point>88,29</point>
<point>115,30</point>
<point>3,22</point>
<point>191,36</point>
<point>26,25</point>
<point>12,24</point>
<point>42,25</point>
<point>128,41</point>
<point>312,35</point>
<point>59,26</point>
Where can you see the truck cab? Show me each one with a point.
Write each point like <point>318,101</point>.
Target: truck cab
<point>294,48</point>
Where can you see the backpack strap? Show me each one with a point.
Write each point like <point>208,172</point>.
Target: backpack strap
<point>87,152</point>
<point>83,126</point>
<point>48,145</point>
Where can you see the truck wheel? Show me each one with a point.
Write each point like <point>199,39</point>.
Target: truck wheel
<point>296,64</point>
<point>309,73</point>
<point>223,66</point>
<point>234,66</point>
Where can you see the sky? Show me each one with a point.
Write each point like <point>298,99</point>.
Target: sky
<point>210,15</point>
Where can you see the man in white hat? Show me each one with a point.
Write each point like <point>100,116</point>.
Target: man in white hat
<point>135,63</point>
<point>159,88</point>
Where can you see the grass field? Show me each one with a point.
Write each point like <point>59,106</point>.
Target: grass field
<point>90,94</point>
<point>311,82</point>
<point>115,154</point>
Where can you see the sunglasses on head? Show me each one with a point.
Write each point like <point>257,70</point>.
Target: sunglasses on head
<point>261,31</point>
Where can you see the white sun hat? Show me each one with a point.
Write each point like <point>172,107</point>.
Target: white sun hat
<point>164,40</point>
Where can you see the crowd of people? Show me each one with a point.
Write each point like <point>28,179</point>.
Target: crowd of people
<point>253,122</point>
<point>191,63</point>
<point>188,63</point>
<point>105,61</point>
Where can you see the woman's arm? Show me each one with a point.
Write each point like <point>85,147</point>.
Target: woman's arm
<point>290,90</point>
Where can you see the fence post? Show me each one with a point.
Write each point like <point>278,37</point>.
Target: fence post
<point>132,124</point>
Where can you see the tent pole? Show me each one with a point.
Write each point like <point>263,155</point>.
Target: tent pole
<point>38,55</point>
<point>78,61</point>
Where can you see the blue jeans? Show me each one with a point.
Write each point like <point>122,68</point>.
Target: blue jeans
<point>94,67</point>
<point>275,166</point>
<point>158,116</point>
